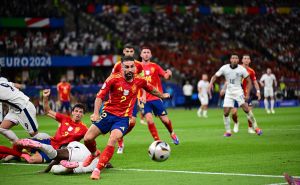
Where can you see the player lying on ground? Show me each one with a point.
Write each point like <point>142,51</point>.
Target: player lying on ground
<point>66,160</point>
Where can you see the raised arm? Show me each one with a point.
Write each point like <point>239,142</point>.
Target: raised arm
<point>47,109</point>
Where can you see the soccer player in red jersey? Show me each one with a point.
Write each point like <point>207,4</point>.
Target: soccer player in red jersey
<point>70,129</point>
<point>152,73</point>
<point>128,51</point>
<point>64,95</point>
<point>122,89</point>
<point>246,60</point>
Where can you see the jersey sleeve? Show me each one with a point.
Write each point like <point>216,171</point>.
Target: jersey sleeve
<point>245,74</point>
<point>59,117</point>
<point>262,78</point>
<point>105,88</point>
<point>139,69</point>
<point>220,72</point>
<point>160,70</point>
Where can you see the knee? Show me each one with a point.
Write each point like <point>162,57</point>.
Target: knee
<point>226,114</point>
<point>32,134</point>
<point>88,138</point>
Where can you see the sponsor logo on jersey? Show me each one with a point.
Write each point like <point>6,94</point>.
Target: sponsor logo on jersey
<point>125,92</point>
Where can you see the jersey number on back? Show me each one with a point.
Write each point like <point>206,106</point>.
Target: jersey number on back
<point>6,85</point>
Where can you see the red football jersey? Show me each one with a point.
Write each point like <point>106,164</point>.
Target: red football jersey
<point>118,66</point>
<point>64,90</point>
<point>122,94</point>
<point>252,77</point>
<point>67,131</point>
<point>152,73</point>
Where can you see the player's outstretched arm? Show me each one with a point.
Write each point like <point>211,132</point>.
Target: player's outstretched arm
<point>47,109</point>
<point>155,92</point>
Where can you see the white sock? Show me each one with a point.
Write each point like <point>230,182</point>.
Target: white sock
<point>266,104</point>
<point>9,135</point>
<point>49,151</point>
<point>251,117</point>
<point>199,112</point>
<point>205,113</point>
<point>227,123</point>
<point>272,104</point>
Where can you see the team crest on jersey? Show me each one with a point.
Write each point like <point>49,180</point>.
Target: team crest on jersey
<point>125,92</point>
<point>147,72</point>
<point>70,128</point>
<point>152,69</point>
<point>77,129</point>
<point>133,88</point>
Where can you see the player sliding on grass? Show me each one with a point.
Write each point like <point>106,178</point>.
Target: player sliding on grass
<point>234,74</point>
<point>122,89</point>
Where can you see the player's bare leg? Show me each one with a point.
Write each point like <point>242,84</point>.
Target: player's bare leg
<point>226,119</point>
<point>121,145</point>
<point>168,124</point>
<point>107,153</point>
<point>250,125</point>
<point>251,117</point>
<point>90,143</point>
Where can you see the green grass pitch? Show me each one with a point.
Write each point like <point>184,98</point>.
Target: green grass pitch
<point>204,156</point>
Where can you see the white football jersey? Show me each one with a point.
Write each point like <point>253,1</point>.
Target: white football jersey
<point>204,86</point>
<point>12,96</point>
<point>268,80</point>
<point>233,76</point>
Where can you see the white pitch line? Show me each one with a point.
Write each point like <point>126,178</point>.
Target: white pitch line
<point>278,183</point>
<point>172,171</point>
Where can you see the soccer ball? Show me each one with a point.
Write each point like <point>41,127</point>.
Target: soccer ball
<point>159,151</point>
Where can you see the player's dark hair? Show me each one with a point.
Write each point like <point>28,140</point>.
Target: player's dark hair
<point>145,47</point>
<point>246,55</point>
<point>127,58</point>
<point>79,105</point>
<point>232,54</point>
<point>128,46</point>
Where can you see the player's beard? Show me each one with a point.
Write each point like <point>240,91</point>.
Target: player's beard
<point>129,76</point>
<point>233,66</point>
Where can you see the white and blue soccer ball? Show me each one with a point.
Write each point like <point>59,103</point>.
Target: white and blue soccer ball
<point>159,151</point>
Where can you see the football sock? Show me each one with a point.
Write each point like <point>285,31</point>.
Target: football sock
<point>234,118</point>
<point>266,104</point>
<point>227,123</point>
<point>251,117</point>
<point>168,125</point>
<point>153,131</point>
<point>272,104</point>
<point>91,145</point>
<point>105,156</point>
<point>199,112</point>
<point>10,151</point>
<point>205,113</point>
<point>48,150</point>
<point>9,134</point>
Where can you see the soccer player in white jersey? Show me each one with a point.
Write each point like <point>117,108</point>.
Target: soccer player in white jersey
<point>21,110</point>
<point>267,81</point>
<point>65,160</point>
<point>234,74</point>
<point>203,95</point>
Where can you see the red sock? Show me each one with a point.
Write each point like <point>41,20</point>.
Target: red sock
<point>169,126</point>
<point>153,131</point>
<point>234,118</point>
<point>10,151</point>
<point>91,145</point>
<point>249,123</point>
<point>105,156</point>
<point>120,142</point>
